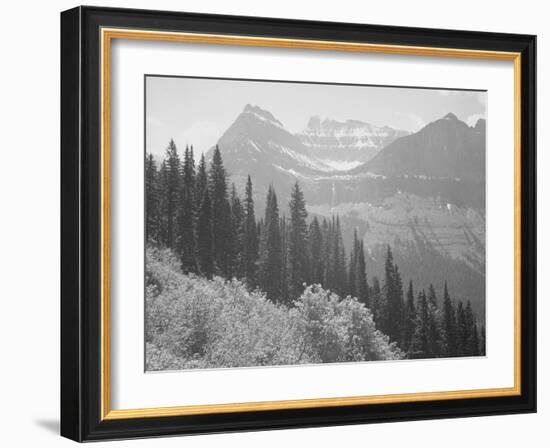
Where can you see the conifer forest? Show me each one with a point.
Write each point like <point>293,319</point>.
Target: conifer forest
<point>228,286</point>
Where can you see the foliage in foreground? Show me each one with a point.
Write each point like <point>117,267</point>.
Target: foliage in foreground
<point>193,322</point>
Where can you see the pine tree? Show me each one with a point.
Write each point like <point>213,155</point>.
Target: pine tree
<point>221,227</point>
<point>237,235</point>
<point>449,325</point>
<point>420,344</point>
<point>392,312</point>
<point>185,240</point>
<point>315,252</point>
<point>468,328</point>
<point>362,286</point>
<point>285,269</point>
<point>201,182</point>
<point>170,192</point>
<point>297,243</point>
<point>326,232</point>
<point>409,319</point>
<point>152,201</point>
<point>376,301</point>
<point>461,332</point>
<point>435,332</point>
<point>339,258</point>
<point>204,249</point>
<point>352,268</point>
<point>271,256</point>
<point>250,238</point>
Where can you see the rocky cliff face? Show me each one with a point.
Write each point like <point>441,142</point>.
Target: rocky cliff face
<point>345,145</point>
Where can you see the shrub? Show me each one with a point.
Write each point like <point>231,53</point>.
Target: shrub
<point>193,322</point>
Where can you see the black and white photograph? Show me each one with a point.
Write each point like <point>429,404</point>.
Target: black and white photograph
<point>292,223</point>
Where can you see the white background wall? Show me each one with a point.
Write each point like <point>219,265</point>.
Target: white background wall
<point>29,224</point>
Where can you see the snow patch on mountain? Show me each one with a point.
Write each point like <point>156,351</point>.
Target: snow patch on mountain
<point>341,165</point>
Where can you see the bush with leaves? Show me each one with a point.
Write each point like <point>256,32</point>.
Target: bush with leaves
<point>193,322</point>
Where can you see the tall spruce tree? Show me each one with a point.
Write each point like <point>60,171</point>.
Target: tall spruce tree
<point>201,182</point>
<point>204,249</point>
<point>315,252</point>
<point>250,238</point>
<point>409,319</point>
<point>339,257</point>
<point>152,201</point>
<point>352,267</point>
<point>271,256</point>
<point>170,192</point>
<point>449,324</point>
<point>285,270</point>
<point>468,337</point>
<point>237,235</point>
<point>461,331</point>
<point>297,243</point>
<point>185,240</point>
<point>376,298</point>
<point>392,312</point>
<point>326,232</point>
<point>221,225</point>
<point>435,331</point>
<point>362,286</point>
<point>420,343</point>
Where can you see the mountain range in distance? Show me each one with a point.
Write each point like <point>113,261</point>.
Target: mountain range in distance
<point>423,193</point>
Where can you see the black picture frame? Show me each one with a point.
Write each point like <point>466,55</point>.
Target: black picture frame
<point>81,224</point>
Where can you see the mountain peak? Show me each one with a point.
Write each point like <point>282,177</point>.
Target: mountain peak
<point>262,114</point>
<point>480,125</point>
<point>450,116</point>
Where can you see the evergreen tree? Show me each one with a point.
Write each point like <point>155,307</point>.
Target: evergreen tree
<point>271,256</point>
<point>250,238</point>
<point>315,251</point>
<point>170,192</point>
<point>392,312</point>
<point>468,336</point>
<point>201,182</point>
<point>204,249</point>
<point>326,232</point>
<point>409,319</point>
<point>185,240</point>
<point>352,270</point>
<point>237,235</point>
<point>221,223</point>
<point>297,243</point>
<point>449,325</point>
<point>339,258</point>
<point>461,331</point>
<point>285,270</point>
<point>376,298</point>
<point>362,286</point>
<point>152,201</point>
<point>163,216</point>
<point>420,343</point>
<point>435,331</point>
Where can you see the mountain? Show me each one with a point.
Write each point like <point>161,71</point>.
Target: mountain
<point>423,193</point>
<point>257,139</point>
<point>346,144</point>
<point>446,149</point>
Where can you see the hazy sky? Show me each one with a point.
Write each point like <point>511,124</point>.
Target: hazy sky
<point>198,111</point>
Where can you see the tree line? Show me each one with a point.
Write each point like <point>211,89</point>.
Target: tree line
<point>192,210</point>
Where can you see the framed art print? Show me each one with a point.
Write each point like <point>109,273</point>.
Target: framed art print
<point>274,224</point>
